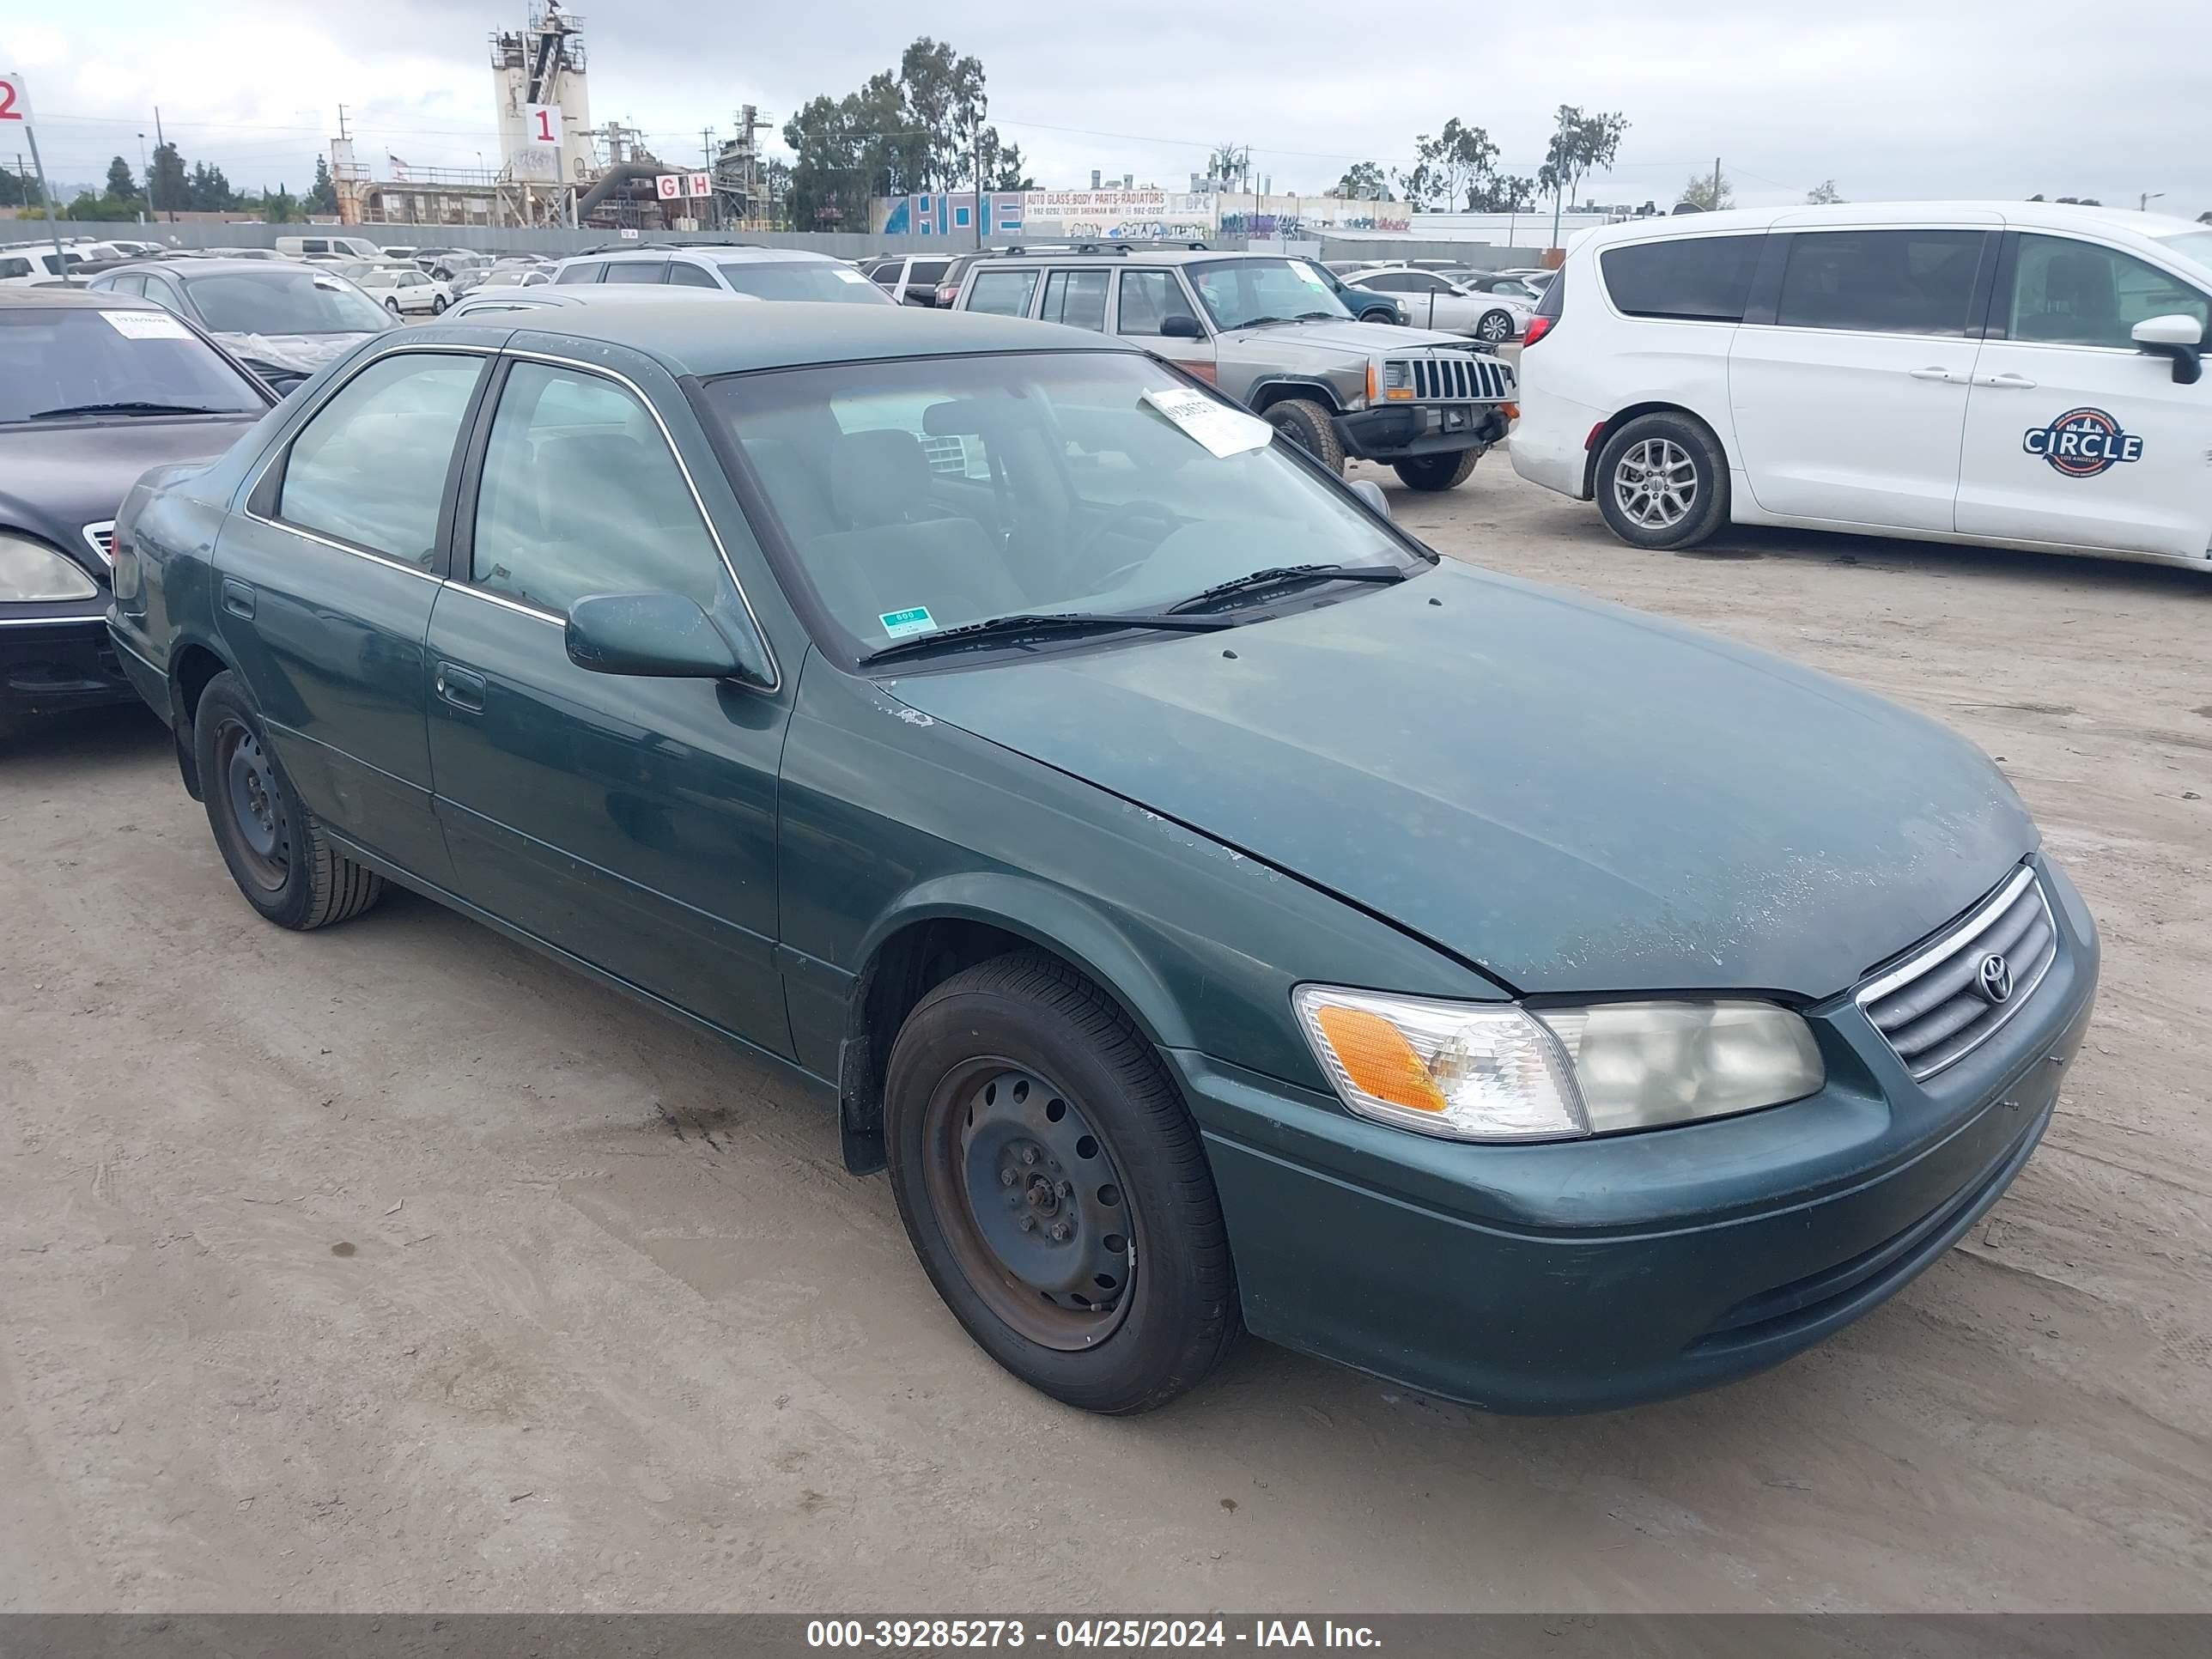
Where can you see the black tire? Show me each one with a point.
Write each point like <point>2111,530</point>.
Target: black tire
<point>1685,449</point>
<point>1386,314</point>
<point>1437,471</point>
<point>279,857</point>
<point>1310,428</point>
<point>1495,327</point>
<point>392,304</point>
<point>1174,1313</point>
<point>437,303</point>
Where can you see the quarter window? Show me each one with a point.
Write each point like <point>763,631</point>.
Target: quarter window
<point>163,292</point>
<point>2070,293</point>
<point>1704,279</point>
<point>1883,282</point>
<point>683,275</point>
<point>581,495</point>
<point>1002,292</point>
<point>1149,298</point>
<point>370,467</point>
<point>1077,298</point>
<point>584,270</point>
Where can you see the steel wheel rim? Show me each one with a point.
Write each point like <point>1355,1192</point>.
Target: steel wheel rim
<point>256,804</point>
<point>1655,483</point>
<point>1002,1145</point>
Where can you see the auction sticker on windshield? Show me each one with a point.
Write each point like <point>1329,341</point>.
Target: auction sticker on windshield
<point>900,624</point>
<point>146,325</point>
<point>1223,431</point>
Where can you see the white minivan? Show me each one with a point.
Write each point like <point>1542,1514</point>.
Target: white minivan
<point>2011,373</point>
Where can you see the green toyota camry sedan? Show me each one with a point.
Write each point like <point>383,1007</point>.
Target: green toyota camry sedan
<point>1215,913</point>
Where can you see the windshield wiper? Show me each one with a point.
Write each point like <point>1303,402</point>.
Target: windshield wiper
<point>1050,622</point>
<point>1285,575</point>
<point>1320,317</point>
<point>135,407</point>
<point>1260,322</point>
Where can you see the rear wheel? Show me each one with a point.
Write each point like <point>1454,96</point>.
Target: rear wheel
<point>1437,471</point>
<point>1662,482</point>
<point>1054,1188</point>
<point>437,303</point>
<point>392,304</point>
<point>274,845</point>
<point>1307,425</point>
<point>1381,314</point>
<point>1495,327</point>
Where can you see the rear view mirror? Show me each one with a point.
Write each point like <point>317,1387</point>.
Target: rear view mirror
<point>653,636</point>
<point>1371,493</point>
<point>1181,326</point>
<point>2176,335</point>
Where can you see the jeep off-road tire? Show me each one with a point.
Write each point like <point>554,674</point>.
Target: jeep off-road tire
<point>1307,426</point>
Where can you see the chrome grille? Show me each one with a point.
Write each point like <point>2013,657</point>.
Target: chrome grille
<point>101,536</point>
<point>1935,1008</point>
<point>1458,377</point>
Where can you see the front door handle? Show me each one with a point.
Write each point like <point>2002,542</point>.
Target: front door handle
<point>2019,381</point>
<point>1946,375</point>
<point>461,687</point>
<point>237,598</point>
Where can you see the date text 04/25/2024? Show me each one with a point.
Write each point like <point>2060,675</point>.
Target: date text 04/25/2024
<point>1066,1633</point>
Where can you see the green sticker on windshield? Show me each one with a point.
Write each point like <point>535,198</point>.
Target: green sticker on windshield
<point>900,624</point>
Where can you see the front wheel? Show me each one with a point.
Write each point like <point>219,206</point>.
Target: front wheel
<point>274,846</point>
<point>1437,471</point>
<point>1662,482</point>
<point>1381,314</point>
<point>392,305</point>
<point>1306,425</point>
<point>437,303</point>
<point>1496,327</point>
<point>1054,1187</point>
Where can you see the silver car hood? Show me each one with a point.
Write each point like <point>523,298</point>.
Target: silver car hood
<point>1336,338</point>
<point>304,352</point>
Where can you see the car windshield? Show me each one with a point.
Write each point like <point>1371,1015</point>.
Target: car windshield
<point>2195,245</point>
<point>922,495</point>
<point>68,358</point>
<point>283,302</point>
<point>803,279</point>
<point>1238,293</point>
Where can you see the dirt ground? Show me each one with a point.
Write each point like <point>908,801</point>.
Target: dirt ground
<point>394,1268</point>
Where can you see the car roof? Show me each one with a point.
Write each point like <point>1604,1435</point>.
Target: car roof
<point>71,299</point>
<point>184,269</point>
<point>1135,256</point>
<point>731,339</point>
<point>739,252</point>
<point>2145,228</point>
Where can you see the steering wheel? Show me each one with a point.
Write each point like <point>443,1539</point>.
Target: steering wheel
<point>1141,512</point>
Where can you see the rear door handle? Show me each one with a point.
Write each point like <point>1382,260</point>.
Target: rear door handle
<point>463,688</point>
<point>1947,376</point>
<point>2014,380</point>
<point>237,598</point>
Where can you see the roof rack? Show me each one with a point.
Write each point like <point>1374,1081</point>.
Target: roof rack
<point>638,245</point>
<point>1119,244</point>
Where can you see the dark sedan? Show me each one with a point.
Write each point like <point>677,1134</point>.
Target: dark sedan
<point>93,391</point>
<point>282,321</point>
<point>1216,912</point>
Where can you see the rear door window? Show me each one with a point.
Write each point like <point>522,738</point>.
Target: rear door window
<point>584,270</point>
<point>1002,292</point>
<point>1077,298</point>
<point>369,468</point>
<point>1691,278</point>
<point>1881,282</point>
<point>637,271</point>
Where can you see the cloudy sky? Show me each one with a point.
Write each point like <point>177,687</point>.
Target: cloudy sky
<point>1888,98</point>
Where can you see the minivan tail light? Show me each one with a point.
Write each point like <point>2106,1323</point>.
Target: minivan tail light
<point>1538,326</point>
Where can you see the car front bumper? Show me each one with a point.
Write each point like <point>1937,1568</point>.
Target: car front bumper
<point>1588,1275</point>
<point>64,660</point>
<point>1405,432</point>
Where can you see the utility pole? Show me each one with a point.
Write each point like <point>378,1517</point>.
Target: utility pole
<point>707,160</point>
<point>53,229</point>
<point>146,175</point>
<point>161,143</point>
<point>1716,184</point>
<point>978,139</point>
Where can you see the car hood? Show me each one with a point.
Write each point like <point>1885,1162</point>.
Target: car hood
<point>55,479</point>
<point>1571,796</point>
<point>304,352</point>
<point>1338,340</point>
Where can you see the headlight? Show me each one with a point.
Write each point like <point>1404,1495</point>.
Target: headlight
<point>1499,1071</point>
<point>32,571</point>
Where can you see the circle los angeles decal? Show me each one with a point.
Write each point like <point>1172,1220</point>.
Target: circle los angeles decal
<point>2082,443</point>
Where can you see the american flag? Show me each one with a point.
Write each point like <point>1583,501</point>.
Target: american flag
<point>398,167</point>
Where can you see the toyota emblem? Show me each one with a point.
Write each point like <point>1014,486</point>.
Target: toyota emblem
<point>1994,977</point>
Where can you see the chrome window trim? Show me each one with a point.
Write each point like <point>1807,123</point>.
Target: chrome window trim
<point>322,402</point>
<point>506,604</point>
<point>768,646</point>
<point>1979,922</point>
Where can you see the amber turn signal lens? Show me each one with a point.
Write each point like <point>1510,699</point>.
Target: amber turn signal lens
<point>1378,1059</point>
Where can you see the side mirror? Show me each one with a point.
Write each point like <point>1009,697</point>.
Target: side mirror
<point>2176,335</point>
<point>1181,326</point>
<point>1371,493</point>
<point>653,636</point>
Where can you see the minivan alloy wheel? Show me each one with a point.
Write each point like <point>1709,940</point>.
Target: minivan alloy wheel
<point>1656,483</point>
